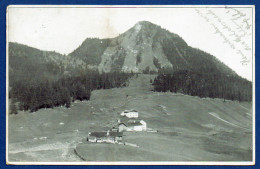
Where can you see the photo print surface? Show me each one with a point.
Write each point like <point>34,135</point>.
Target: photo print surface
<point>130,85</point>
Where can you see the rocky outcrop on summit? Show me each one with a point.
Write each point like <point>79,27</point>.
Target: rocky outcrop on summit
<point>146,47</point>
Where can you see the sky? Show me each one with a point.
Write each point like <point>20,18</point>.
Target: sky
<point>225,33</point>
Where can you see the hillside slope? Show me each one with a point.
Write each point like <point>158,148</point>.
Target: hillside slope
<point>189,128</point>
<point>28,62</point>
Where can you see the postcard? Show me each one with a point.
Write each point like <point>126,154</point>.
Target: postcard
<point>130,85</point>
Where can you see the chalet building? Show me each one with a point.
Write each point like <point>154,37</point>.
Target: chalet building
<point>130,113</point>
<point>132,126</point>
<point>107,137</point>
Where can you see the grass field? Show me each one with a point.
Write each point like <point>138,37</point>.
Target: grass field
<point>189,128</point>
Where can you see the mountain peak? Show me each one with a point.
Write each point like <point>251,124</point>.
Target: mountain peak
<point>146,47</point>
<point>144,23</point>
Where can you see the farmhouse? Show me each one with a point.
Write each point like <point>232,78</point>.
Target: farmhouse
<point>108,137</point>
<point>132,126</point>
<point>130,113</point>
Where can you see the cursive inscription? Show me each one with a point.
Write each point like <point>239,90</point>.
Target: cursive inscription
<point>234,27</point>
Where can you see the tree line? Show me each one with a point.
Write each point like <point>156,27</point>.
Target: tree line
<point>34,94</point>
<point>213,85</point>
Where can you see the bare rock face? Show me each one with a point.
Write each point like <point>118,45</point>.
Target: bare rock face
<point>146,47</point>
<point>139,49</point>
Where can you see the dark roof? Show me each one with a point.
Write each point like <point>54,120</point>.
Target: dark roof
<point>104,134</point>
<point>128,111</point>
<point>122,124</point>
<point>116,134</point>
<point>132,110</point>
<point>132,123</point>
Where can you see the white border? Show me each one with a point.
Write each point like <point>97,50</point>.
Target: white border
<point>7,84</point>
<point>124,162</point>
<point>253,81</point>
